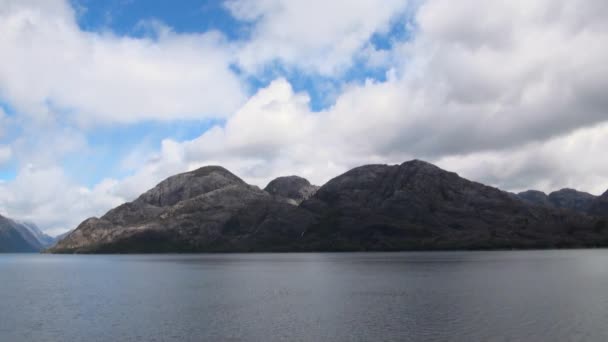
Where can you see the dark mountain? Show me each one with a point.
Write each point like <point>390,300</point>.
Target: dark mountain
<point>535,197</point>
<point>572,199</point>
<point>565,199</point>
<point>410,206</point>
<point>16,237</point>
<point>43,239</point>
<point>291,189</point>
<point>209,209</point>
<point>599,207</point>
<point>417,205</point>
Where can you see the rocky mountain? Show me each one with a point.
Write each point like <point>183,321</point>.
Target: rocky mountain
<point>411,206</point>
<point>535,197</point>
<point>565,198</point>
<point>417,205</point>
<point>208,209</point>
<point>292,189</point>
<point>572,199</point>
<point>599,207</point>
<point>18,237</point>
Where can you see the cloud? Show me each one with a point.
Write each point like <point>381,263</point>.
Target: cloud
<point>6,153</point>
<point>49,198</point>
<point>513,98</point>
<point>568,161</point>
<point>49,64</point>
<point>313,35</point>
<point>530,75</point>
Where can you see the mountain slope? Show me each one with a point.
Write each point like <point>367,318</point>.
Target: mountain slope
<point>417,205</point>
<point>411,206</point>
<point>43,239</point>
<point>565,199</point>
<point>599,207</point>
<point>208,209</point>
<point>572,199</point>
<point>17,238</point>
<point>536,197</point>
<point>291,189</point>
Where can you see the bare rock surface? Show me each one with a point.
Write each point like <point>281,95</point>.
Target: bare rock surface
<point>208,209</point>
<point>412,206</point>
<point>291,189</point>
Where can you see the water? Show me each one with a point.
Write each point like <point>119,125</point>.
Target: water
<point>451,296</point>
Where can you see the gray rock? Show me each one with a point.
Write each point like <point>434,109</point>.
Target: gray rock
<point>572,199</point>
<point>187,185</point>
<point>535,197</point>
<point>417,205</point>
<point>209,209</point>
<point>291,189</point>
<point>565,199</point>
<point>411,206</point>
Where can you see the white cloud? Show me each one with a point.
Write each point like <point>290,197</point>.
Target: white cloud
<point>6,153</point>
<point>48,63</point>
<point>314,35</point>
<point>462,88</point>
<point>48,197</point>
<point>515,100</point>
<point>569,161</point>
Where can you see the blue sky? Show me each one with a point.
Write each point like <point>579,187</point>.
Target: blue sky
<point>101,100</point>
<point>108,145</point>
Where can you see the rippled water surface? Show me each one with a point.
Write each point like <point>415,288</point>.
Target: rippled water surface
<point>451,296</point>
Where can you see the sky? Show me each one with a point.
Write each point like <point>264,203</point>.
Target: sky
<point>101,100</point>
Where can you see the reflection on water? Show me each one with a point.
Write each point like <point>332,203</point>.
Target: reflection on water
<point>457,296</point>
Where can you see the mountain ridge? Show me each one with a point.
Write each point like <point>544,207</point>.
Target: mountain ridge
<point>411,206</point>
<point>22,237</point>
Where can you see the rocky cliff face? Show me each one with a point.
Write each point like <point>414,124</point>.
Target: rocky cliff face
<point>417,205</point>
<point>17,237</point>
<point>292,189</point>
<point>209,209</point>
<point>411,206</point>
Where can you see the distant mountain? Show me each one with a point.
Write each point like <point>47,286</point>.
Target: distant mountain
<point>43,239</point>
<point>411,206</point>
<point>20,237</point>
<point>564,198</point>
<point>599,207</point>
<point>536,197</point>
<point>291,189</point>
<point>572,199</point>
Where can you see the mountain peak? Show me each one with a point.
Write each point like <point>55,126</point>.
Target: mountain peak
<point>291,189</point>
<point>189,184</point>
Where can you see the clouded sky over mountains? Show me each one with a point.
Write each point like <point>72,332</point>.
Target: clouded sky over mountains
<point>100,100</point>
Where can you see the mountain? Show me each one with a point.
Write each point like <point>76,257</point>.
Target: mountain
<point>417,205</point>
<point>43,239</point>
<point>291,189</point>
<point>17,237</point>
<point>565,199</point>
<point>572,199</point>
<point>209,209</point>
<point>536,197</point>
<point>411,206</point>
<point>599,207</point>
